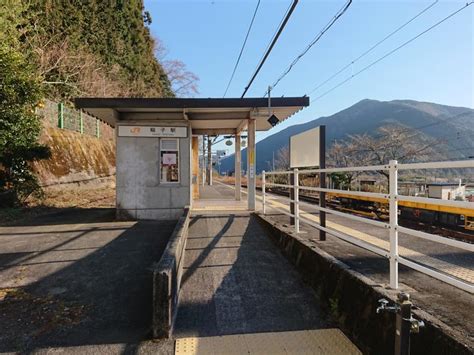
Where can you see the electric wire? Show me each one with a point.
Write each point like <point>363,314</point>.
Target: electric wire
<point>272,44</point>
<point>373,47</point>
<point>242,49</point>
<point>393,51</point>
<point>313,42</point>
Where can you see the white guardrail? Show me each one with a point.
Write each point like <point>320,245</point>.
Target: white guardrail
<point>393,197</point>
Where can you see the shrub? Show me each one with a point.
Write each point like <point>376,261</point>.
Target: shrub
<point>20,92</point>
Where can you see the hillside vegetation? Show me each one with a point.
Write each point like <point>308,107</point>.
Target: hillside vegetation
<point>101,48</point>
<point>60,50</point>
<point>450,129</point>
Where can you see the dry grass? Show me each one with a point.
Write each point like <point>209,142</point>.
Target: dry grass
<point>76,197</point>
<point>59,198</point>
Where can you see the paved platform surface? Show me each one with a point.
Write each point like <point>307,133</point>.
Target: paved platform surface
<point>320,341</point>
<point>217,191</point>
<point>236,281</point>
<point>218,197</point>
<point>78,282</point>
<point>449,304</point>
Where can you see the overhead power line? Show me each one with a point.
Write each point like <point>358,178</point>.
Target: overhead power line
<point>242,49</point>
<point>313,42</point>
<point>393,51</point>
<point>272,44</point>
<point>374,46</point>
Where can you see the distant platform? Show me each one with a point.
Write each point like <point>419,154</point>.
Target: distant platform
<point>218,197</point>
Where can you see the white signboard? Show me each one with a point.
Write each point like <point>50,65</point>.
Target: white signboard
<point>147,131</point>
<point>304,149</point>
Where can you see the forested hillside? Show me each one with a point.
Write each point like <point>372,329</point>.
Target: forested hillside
<point>60,50</point>
<point>95,47</point>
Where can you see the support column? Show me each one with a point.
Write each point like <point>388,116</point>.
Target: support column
<point>203,165</point>
<point>209,160</point>
<point>251,168</point>
<point>237,170</point>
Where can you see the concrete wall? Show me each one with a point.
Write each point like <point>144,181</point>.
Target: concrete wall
<point>75,158</point>
<point>351,299</point>
<point>140,193</point>
<point>167,275</point>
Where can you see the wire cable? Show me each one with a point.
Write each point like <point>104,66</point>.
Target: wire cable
<point>374,46</point>
<point>242,49</point>
<point>393,51</point>
<point>272,44</point>
<point>313,42</point>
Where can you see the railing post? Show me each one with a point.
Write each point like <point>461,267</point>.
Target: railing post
<point>393,205</point>
<point>60,115</point>
<point>297,200</point>
<point>81,123</point>
<point>291,182</point>
<point>97,128</point>
<point>263,192</point>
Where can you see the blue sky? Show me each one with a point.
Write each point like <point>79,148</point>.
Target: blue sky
<point>437,67</point>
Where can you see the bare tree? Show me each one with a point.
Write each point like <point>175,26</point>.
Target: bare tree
<point>183,81</point>
<point>66,70</point>
<point>391,143</point>
<point>282,159</point>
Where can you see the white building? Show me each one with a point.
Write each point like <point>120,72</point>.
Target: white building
<point>446,191</point>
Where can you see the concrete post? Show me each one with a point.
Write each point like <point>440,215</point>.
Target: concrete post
<point>251,168</point>
<point>203,165</point>
<point>237,170</point>
<point>393,218</point>
<point>209,160</point>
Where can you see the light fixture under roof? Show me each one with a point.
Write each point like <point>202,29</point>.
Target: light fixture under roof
<point>273,120</point>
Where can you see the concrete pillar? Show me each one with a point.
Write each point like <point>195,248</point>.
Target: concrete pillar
<point>238,164</point>
<point>203,165</point>
<point>251,168</point>
<point>209,160</point>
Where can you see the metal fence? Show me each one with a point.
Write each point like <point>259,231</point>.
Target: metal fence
<point>62,116</point>
<point>393,197</point>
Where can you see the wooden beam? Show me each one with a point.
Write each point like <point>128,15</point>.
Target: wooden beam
<point>242,126</point>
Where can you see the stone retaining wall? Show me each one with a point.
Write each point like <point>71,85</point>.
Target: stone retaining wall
<point>352,299</point>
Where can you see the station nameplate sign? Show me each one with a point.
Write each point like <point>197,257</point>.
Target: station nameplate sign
<point>152,131</point>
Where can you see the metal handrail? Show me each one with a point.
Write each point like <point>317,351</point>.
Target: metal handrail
<point>392,198</point>
<point>438,165</point>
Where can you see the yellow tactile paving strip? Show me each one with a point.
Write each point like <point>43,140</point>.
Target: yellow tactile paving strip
<point>219,205</point>
<point>450,269</point>
<point>319,341</point>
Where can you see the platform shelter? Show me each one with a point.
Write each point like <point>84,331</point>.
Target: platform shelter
<point>157,149</point>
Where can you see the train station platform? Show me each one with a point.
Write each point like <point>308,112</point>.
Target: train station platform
<point>438,299</point>
<point>218,197</point>
<point>239,294</point>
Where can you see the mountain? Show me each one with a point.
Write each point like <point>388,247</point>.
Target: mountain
<point>453,125</point>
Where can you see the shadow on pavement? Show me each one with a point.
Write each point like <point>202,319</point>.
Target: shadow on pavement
<point>236,281</point>
<point>93,284</point>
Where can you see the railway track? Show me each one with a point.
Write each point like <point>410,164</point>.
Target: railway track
<point>462,235</point>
